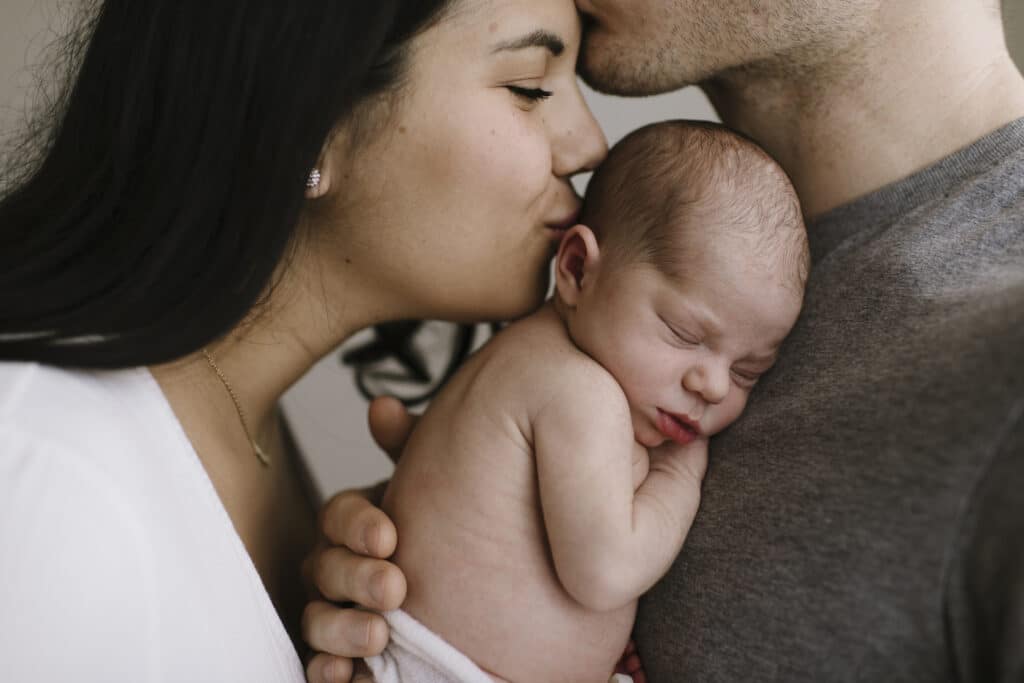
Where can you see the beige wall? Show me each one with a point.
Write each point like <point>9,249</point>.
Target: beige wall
<point>328,415</point>
<point>1013,16</point>
<point>22,33</point>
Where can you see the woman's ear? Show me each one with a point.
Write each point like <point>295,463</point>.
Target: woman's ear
<point>576,263</point>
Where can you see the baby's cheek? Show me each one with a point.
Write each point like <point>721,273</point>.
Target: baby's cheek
<point>729,410</point>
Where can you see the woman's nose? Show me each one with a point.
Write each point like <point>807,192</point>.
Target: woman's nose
<point>710,382</point>
<point>579,144</point>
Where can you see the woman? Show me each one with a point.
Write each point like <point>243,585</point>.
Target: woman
<point>229,192</point>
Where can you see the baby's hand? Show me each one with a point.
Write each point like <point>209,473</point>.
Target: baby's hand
<point>689,462</point>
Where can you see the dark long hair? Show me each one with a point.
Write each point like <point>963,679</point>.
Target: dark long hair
<point>171,183</point>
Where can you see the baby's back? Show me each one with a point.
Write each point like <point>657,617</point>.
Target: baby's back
<point>471,536</point>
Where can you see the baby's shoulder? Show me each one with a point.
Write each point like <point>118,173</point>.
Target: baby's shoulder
<point>542,359</point>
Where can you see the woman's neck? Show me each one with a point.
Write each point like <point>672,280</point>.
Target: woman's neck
<point>305,316</point>
<point>259,360</point>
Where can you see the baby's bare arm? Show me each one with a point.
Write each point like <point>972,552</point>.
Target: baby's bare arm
<point>608,543</point>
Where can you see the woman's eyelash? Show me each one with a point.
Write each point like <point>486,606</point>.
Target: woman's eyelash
<point>533,94</point>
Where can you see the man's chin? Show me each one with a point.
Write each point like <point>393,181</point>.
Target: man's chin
<point>602,69</point>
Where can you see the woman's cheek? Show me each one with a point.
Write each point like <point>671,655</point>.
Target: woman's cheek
<point>519,159</point>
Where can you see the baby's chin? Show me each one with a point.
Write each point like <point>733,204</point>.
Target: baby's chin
<point>648,437</point>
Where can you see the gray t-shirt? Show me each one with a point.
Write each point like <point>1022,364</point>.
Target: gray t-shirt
<point>864,520</point>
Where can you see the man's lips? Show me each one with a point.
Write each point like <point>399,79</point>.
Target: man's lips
<point>679,428</point>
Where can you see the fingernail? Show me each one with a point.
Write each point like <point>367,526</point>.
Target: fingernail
<point>377,587</point>
<point>369,534</point>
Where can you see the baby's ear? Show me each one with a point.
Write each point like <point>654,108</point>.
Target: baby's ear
<point>576,263</point>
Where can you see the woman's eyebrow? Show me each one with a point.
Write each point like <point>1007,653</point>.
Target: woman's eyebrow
<point>539,38</point>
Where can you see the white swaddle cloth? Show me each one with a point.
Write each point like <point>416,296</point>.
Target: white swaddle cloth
<point>418,655</point>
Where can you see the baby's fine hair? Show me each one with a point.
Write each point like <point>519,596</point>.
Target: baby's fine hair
<point>668,181</point>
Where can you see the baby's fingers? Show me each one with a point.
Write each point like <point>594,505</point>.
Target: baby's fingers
<point>689,461</point>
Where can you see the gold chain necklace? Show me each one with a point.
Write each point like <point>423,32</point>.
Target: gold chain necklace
<point>260,454</point>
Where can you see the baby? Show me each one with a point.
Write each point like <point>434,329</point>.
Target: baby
<point>554,479</point>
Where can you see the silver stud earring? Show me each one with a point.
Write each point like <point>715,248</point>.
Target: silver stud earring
<point>313,181</point>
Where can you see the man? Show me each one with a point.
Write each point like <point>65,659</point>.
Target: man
<point>865,519</point>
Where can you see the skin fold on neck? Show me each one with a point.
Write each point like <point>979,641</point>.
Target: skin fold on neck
<point>884,107</point>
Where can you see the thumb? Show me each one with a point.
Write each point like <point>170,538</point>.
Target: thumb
<point>390,425</point>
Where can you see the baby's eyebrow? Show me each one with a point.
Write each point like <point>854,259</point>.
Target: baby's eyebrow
<point>539,38</point>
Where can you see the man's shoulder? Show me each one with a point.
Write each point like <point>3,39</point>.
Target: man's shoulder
<point>984,591</point>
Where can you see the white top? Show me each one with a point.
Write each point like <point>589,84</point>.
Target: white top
<point>117,560</point>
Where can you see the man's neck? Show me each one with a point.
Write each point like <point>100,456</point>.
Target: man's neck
<point>916,91</point>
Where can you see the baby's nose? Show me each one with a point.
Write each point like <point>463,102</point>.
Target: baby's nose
<point>707,381</point>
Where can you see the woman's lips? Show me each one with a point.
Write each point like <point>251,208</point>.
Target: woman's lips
<point>679,428</point>
<point>563,224</point>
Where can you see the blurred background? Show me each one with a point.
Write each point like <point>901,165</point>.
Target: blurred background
<point>325,409</point>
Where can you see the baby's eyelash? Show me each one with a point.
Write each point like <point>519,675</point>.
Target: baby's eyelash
<point>746,379</point>
<point>533,94</point>
<point>680,336</point>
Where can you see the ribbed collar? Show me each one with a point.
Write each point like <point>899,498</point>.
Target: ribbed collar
<point>888,204</point>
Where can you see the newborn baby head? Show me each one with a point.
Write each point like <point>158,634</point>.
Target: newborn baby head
<point>685,275</point>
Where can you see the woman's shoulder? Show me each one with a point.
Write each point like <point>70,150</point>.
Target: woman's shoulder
<point>22,382</point>
<point>101,414</point>
<point>111,430</point>
<point>109,523</point>
<point>73,542</point>
<point>99,432</point>
<point>24,386</point>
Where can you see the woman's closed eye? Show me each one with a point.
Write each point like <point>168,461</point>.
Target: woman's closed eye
<point>531,94</point>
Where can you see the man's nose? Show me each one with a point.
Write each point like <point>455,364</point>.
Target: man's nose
<point>707,380</point>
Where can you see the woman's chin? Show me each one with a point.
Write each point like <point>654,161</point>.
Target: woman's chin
<point>501,304</point>
<point>528,300</point>
<point>508,313</point>
<point>529,305</point>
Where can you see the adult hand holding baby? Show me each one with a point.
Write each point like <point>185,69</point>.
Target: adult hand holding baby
<point>350,564</point>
